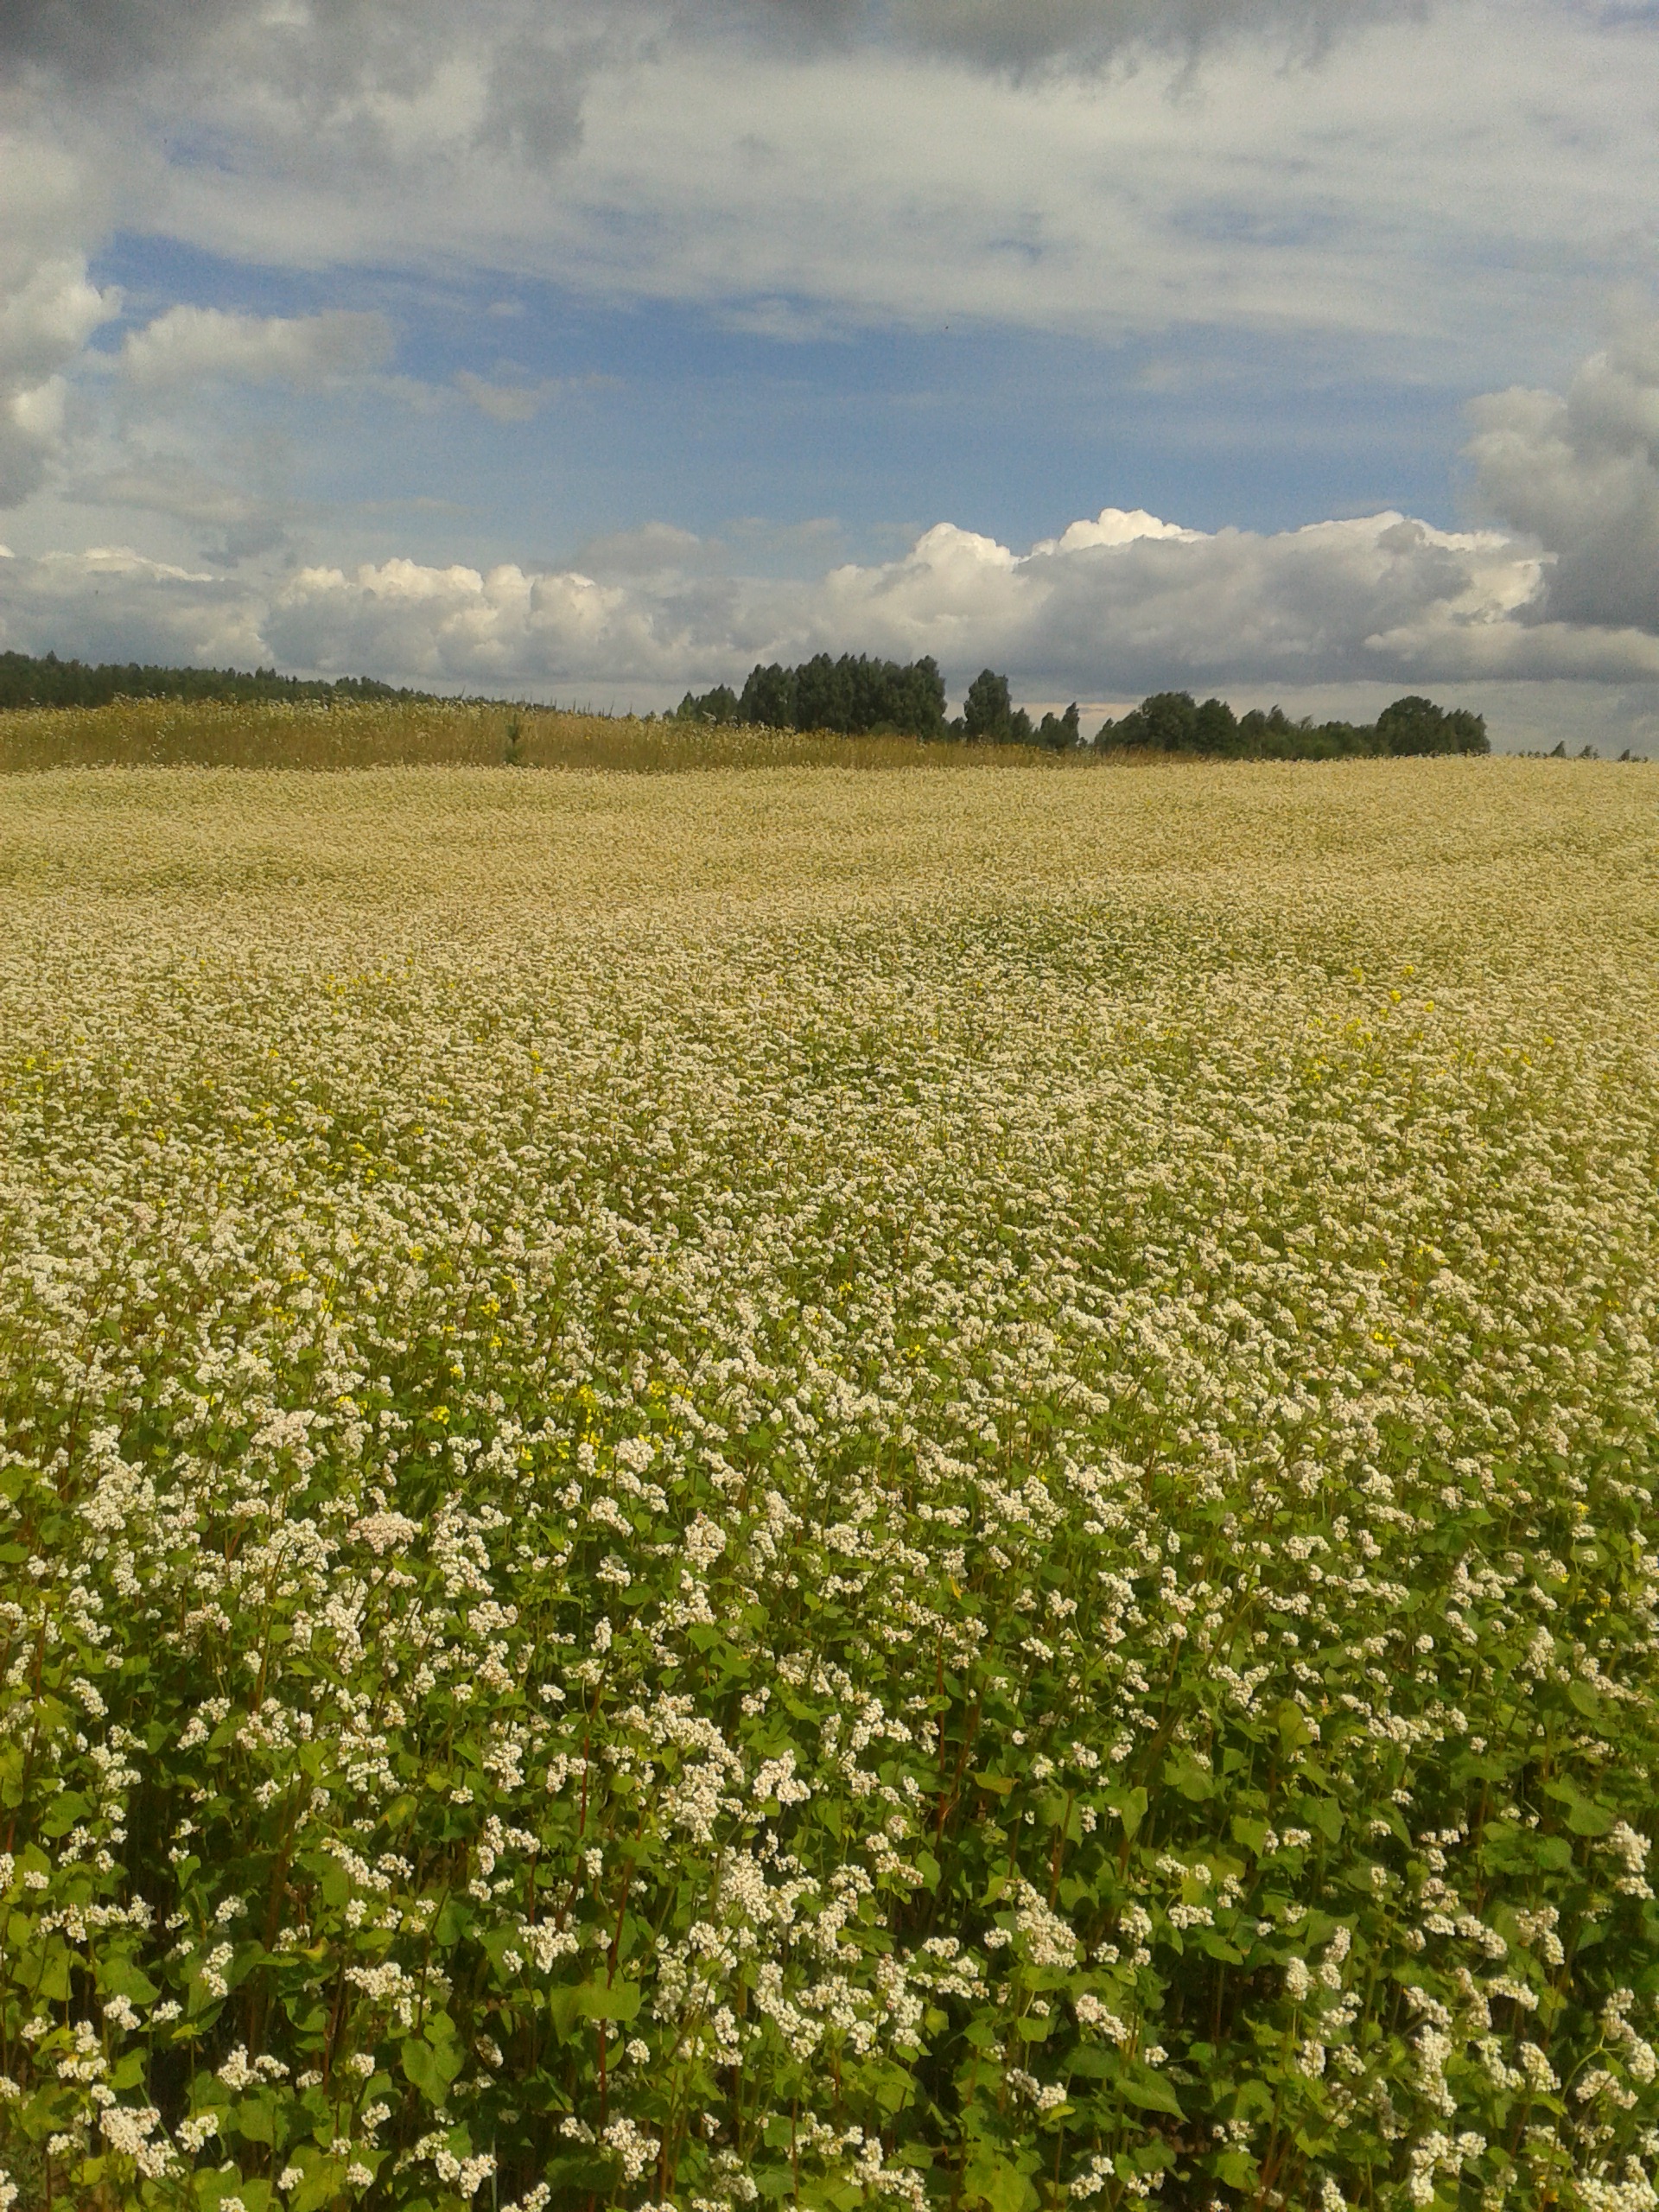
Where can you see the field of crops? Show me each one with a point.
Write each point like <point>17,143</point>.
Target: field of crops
<point>779,1487</point>
<point>441,733</point>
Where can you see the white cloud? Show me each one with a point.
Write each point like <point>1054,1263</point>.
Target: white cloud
<point>46,318</point>
<point>188,345</point>
<point>113,604</point>
<point>49,305</point>
<point>507,402</point>
<point>1114,605</point>
<point>1111,607</point>
<point>1388,188</point>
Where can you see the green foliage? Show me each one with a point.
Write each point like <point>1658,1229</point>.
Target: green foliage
<point>1061,732</point>
<point>989,716</point>
<point>720,706</point>
<point>1417,725</point>
<point>854,695</point>
<point>50,682</point>
<point>1172,721</point>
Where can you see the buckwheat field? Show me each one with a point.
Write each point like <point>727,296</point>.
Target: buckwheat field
<point>790,1487</point>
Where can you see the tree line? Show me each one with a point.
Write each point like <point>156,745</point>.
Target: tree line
<point>854,695</point>
<point>859,697</point>
<point>26,681</point>
<point>1172,721</point>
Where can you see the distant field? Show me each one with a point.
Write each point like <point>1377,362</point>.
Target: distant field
<point>804,1487</point>
<point>173,732</point>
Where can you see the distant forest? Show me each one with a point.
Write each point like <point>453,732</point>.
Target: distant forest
<point>859,697</point>
<point>855,695</point>
<point>50,682</point>
<point>1171,721</point>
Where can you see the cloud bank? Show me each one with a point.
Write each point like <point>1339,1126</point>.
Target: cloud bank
<point>1114,605</point>
<point>358,47</point>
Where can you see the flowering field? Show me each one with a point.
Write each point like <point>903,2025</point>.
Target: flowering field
<point>773,1487</point>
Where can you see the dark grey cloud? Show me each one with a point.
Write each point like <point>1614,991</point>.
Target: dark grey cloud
<point>538,55</point>
<point>1579,472</point>
<point>323,78</point>
<point>1035,34</point>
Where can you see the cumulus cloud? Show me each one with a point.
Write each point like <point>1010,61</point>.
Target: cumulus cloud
<point>1579,472</point>
<point>1115,605</point>
<point>187,345</point>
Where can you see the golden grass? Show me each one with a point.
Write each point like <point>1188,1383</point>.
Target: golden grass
<point>173,732</point>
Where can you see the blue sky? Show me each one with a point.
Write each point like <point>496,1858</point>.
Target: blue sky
<point>1290,348</point>
<point>662,410</point>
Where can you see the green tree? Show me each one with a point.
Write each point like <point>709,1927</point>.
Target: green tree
<point>719,705</point>
<point>1216,728</point>
<point>988,708</point>
<point>1059,732</point>
<point>1414,724</point>
<point>769,697</point>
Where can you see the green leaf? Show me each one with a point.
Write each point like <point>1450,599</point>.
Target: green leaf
<point>69,1807</point>
<point>1587,1818</point>
<point>1325,1815</point>
<point>1236,2169</point>
<point>321,2186</point>
<point>1151,2092</point>
<point>118,1977</point>
<point>993,2181</point>
<point>420,2066</point>
<point>256,2119</point>
<point>1584,1815</point>
<point>53,1982</point>
<point>1089,2062</point>
<point>1130,1806</point>
<point>1191,1779</point>
<point>1581,1695</point>
<point>618,2001</point>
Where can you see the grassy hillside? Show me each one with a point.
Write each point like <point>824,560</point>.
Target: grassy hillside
<point>745,1489</point>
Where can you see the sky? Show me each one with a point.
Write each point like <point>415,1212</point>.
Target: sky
<point>589,350</point>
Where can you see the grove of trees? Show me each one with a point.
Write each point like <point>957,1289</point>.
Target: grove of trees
<point>854,695</point>
<point>857,695</point>
<point>1172,721</point>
